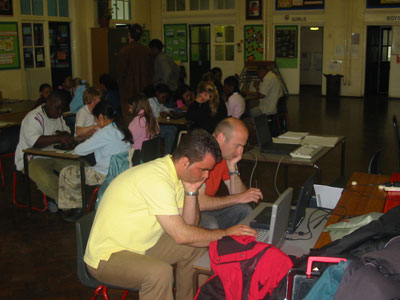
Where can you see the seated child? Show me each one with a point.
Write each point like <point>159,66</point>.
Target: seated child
<point>79,88</point>
<point>44,92</point>
<point>185,98</point>
<point>235,103</point>
<point>167,132</point>
<point>112,138</point>
<point>144,125</point>
<point>85,124</point>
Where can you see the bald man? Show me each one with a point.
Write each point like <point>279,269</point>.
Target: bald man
<point>223,212</point>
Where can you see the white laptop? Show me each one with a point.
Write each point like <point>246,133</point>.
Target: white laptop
<point>272,228</point>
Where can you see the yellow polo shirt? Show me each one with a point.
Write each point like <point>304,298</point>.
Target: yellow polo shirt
<point>126,217</point>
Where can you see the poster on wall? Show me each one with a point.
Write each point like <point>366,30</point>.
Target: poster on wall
<point>253,42</point>
<point>286,41</point>
<point>145,38</point>
<point>6,8</point>
<point>299,4</point>
<point>175,41</point>
<point>9,48</point>
<point>382,3</point>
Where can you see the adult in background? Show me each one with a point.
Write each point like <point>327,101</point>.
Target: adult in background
<point>41,127</point>
<point>222,212</point>
<point>166,71</point>
<point>268,90</point>
<point>135,69</point>
<point>147,221</point>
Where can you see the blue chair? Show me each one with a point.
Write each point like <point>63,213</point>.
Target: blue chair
<point>82,228</point>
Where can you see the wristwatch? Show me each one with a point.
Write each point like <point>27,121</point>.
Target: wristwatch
<point>234,173</point>
<point>195,194</point>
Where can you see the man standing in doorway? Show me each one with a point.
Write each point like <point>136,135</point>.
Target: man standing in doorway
<point>135,69</point>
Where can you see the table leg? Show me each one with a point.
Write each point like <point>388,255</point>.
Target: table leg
<point>343,157</point>
<point>27,182</point>
<point>83,182</point>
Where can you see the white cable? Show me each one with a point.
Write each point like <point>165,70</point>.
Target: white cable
<point>252,171</point>
<point>276,176</point>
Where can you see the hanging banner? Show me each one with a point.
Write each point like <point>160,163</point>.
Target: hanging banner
<point>9,47</point>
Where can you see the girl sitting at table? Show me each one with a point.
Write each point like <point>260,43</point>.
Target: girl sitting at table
<point>144,125</point>
<point>85,125</point>
<point>207,110</point>
<point>111,138</point>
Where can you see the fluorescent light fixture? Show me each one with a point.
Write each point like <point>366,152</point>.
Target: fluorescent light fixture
<point>314,28</point>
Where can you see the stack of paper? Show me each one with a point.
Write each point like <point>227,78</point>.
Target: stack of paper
<point>320,140</point>
<point>290,137</point>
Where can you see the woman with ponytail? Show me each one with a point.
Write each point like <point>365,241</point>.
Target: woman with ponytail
<point>111,138</point>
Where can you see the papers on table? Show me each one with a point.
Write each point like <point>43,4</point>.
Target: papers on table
<point>327,196</point>
<point>292,137</point>
<point>320,140</point>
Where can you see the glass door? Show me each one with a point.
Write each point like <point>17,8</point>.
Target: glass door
<point>199,53</point>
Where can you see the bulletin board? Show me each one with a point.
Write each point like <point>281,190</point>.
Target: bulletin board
<point>299,4</point>
<point>253,42</point>
<point>145,38</point>
<point>286,46</point>
<point>382,3</point>
<point>175,41</point>
<point>9,46</point>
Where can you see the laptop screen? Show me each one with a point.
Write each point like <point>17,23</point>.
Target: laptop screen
<point>262,130</point>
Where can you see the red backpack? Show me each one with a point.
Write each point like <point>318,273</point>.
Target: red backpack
<point>243,269</point>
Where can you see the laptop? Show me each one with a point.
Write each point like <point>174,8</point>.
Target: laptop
<point>264,137</point>
<point>297,215</point>
<point>272,230</point>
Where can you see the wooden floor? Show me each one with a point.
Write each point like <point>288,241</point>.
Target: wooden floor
<point>38,253</point>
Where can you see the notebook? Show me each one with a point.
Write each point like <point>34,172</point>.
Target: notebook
<point>272,229</point>
<point>264,137</point>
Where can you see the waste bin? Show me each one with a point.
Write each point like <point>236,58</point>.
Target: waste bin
<point>332,85</point>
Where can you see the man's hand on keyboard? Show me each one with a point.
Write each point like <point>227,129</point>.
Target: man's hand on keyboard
<point>251,195</point>
<point>241,230</point>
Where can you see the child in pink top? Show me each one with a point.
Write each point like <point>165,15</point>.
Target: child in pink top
<point>144,125</point>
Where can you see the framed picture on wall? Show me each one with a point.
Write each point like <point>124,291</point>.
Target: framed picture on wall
<point>254,10</point>
<point>6,7</point>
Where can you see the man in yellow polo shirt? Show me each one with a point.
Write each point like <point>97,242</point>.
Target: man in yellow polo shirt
<point>147,221</point>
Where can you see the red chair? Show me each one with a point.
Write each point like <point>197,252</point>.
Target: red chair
<point>24,205</point>
<point>92,198</point>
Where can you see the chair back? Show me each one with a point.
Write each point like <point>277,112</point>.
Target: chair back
<point>374,164</point>
<point>396,137</point>
<point>151,149</point>
<point>82,228</point>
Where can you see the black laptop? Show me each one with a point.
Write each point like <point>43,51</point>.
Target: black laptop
<point>296,215</point>
<point>264,137</point>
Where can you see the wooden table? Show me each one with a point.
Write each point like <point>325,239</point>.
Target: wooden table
<point>54,154</point>
<point>17,110</point>
<point>287,160</point>
<point>180,121</point>
<point>363,198</point>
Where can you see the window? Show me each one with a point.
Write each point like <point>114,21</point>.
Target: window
<point>224,43</point>
<point>224,4</point>
<point>121,10</point>
<point>33,45</point>
<point>32,7</point>
<point>175,5</point>
<point>58,8</point>
<point>199,4</point>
